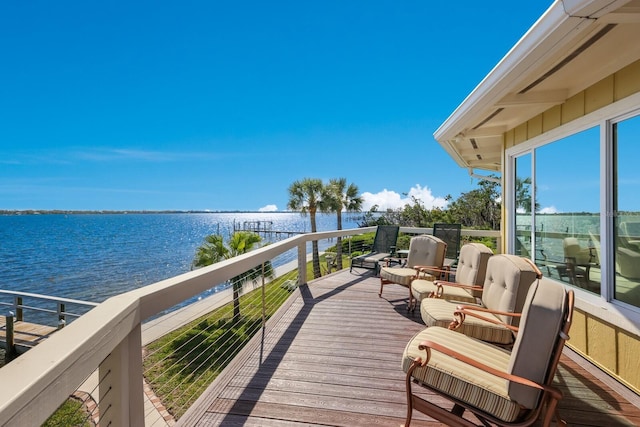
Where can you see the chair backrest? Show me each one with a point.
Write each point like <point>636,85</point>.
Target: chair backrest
<point>450,234</point>
<point>386,238</point>
<point>472,265</point>
<point>426,250</point>
<point>629,231</point>
<point>572,249</point>
<point>544,326</point>
<point>506,284</point>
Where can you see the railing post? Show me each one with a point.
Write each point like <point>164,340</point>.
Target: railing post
<point>121,401</point>
<point>11,351</point>
<point>302,264</point>
<point>61,314</point>
<point>18,309</point>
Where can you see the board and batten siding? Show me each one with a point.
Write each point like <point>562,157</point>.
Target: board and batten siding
<point>611,348</point>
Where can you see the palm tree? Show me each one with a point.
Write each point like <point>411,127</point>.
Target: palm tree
<point>345,198</point>
<point>307,196</point>
<point>215,250</point>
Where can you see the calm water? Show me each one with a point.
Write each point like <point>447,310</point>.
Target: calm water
<point>92,257</point>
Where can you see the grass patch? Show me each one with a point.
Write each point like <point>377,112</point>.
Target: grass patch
<point>180,365</point>
<point>70,413</point>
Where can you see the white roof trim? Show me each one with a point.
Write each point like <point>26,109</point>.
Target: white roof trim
<point>555,28</point>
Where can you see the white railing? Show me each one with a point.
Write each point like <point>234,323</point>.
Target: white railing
<point>108,339</point>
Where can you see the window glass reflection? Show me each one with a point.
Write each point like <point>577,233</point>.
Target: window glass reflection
<point>627,211</point>
<point>523,206</point>
<point>567,217</point>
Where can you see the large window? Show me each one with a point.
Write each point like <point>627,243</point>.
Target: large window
<point>575,207</point>
<point>626,213</point>
<point>557,219</point>
<point>567,217</point>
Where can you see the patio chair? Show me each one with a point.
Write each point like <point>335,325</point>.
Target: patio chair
<point>577,261</point>
<point>498,386</point>
<point>384,244</point>
<point>505,289</point>
<point>426,253</point>
<point>469,278</point>
<point>450,233</point>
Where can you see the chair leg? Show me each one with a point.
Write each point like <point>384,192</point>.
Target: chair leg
<point>408,381</point>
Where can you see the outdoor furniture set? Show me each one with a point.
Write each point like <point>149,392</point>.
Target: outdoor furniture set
<point>493,337</point>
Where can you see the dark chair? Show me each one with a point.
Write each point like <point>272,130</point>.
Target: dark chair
<point>450,234</point>
<point>384,245</point>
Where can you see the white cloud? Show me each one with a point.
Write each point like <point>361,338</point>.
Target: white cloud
<point>386,199</point>
<point>268,208</point>
<point>549,210</point>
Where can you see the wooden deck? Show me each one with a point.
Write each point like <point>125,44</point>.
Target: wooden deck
<point>26,335</point>
<point>332,357</point>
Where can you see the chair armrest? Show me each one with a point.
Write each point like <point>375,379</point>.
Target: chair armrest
<point>469,310</point>
<point>440,284</point>
<point>428,345</point>
<point>429,269</point>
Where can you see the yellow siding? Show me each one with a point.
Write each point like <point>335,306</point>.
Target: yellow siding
<point>628,351</point>
<point>612,349</point>
<point>573,108</point>
<point>552,118</point>
<point>602,343</point>
<point>521,133</point>
<point>534,128</point>
<point>627,81</point>
<point>578,332</point>
<point>599,95</point>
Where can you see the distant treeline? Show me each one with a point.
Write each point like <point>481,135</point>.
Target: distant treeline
<point>80,212</point>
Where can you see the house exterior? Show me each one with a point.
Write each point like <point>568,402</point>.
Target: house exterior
<point>558,118</point>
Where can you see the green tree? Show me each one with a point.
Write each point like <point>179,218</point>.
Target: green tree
<point>523,195</point>
<point>342,197</point>
<point>215,250</point>
<point>479,208</point>
<point>308,197</point>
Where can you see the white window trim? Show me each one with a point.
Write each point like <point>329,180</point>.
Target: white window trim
<point>603,306</point>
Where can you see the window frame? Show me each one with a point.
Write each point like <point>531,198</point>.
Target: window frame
<point>605,305</point>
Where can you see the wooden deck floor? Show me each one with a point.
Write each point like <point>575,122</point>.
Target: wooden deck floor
<point>333,358</point>
<point>26,335</point>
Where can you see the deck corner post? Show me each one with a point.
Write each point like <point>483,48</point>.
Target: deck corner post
<point>302,264</point>
<point>121,389</point>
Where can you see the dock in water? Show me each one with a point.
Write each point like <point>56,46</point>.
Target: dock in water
<point>26,335</point>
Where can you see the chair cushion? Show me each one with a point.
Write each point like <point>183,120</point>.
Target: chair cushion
<point>400,275</point>
<point>455,378</point>
<point>439,312</point>
<point>422,288</point>
<point>472,265</point>
<point>506,284</point>
<point>545,312</point>
<point>426,250</point>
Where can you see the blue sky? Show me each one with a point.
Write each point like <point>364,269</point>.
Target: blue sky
<point>222,105</point>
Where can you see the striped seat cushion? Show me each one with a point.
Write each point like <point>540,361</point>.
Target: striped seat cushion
<point>439,312</point>
<point>400,275</point>
<point>459,380</point>
<point>422,288</point>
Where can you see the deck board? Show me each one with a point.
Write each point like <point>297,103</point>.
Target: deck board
<point>26,335</point>
<point>332,357</point>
